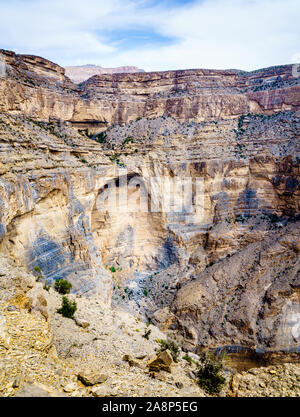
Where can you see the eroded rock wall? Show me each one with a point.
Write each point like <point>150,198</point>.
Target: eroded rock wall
<point>236,132</point>
<point>39,88</point>
<point>47,196</point>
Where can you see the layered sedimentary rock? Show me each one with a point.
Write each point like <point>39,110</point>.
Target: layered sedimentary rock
<point>225,272</point>
<point>46,196</point>
<point>40,89</point>
<point>188,95</point>
<point>35,87</point>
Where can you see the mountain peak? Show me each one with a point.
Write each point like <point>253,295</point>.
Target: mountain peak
<point>81,73</point>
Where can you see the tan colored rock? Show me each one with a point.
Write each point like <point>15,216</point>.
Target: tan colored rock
<point>90,378</point>
<point>229,274</point>
<point>40,89</point>
<point>37,390</point>
<point>132,362</point>
<point>71,387</point>
<point>4,337</point>
<point>163,361</point>
<point>18,381</point>
<point>81,322</point>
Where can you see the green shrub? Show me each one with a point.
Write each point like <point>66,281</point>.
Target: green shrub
<point>68,308</point>
<point>147,334</point>
<point>171,346</point>
<point>208,373</point>
<point>100,137</point>
<point>62,286</point>
<point>39,275</point>
<point>187,358</point>
<point>112,269</point>
<point>127,140</point>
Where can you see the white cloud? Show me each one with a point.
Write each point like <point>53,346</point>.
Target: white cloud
<point>245,34</point>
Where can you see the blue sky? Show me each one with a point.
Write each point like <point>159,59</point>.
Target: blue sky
<point>153,34</point>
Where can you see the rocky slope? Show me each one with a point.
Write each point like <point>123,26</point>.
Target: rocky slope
<point>44,354</point>
<point>221,272</point>
<point>102,353</point>
<point>80,73</point>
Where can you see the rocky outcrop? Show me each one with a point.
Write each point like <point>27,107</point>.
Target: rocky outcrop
<point>35,87</point>
<point>250,298</point>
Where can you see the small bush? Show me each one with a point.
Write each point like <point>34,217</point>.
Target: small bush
<point>208,373</point>
<point>147,334</point>
<point>188,359</point>
<point>68,308</point>
<point>100,137</point>
<point>112,269</point>
<point>63,286</point>
<point>38,274</point>
<point>171,346</point>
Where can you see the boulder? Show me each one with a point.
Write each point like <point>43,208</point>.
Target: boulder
<point>192,375</point>
<point>81,322</point>
<point>90,378</point>
<point>70,387</point>
<point>131,361</point>
<point>162,362</point>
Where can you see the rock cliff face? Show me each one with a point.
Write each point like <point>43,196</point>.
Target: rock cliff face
<point>39,88</point>
<point>223,273</point>
<point>192,95</point>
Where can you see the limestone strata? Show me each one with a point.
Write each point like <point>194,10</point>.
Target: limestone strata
<point>226,275</point>
<point>190,94</point>
<point>251,298</point>
<point>36,87</point>
<point>40,89</point>
<point>45,203</point>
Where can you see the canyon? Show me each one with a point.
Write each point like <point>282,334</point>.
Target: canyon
<point>218,272</point>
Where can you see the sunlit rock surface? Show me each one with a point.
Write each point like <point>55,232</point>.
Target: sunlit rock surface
<point>225,275</point>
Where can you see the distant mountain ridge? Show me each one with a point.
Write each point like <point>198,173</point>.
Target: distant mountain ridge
<point>81,73</point>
